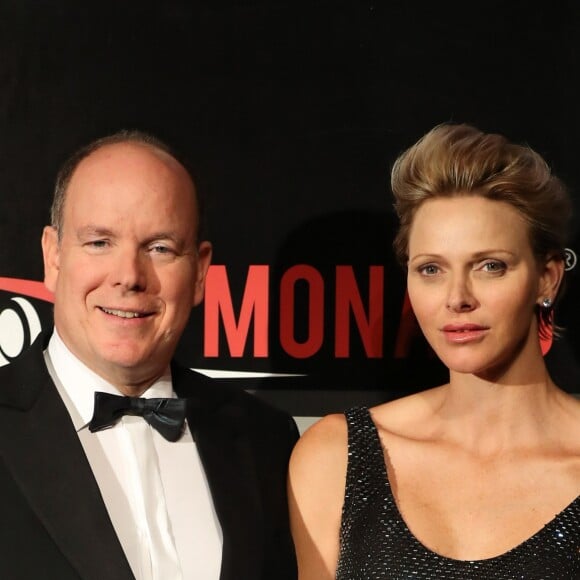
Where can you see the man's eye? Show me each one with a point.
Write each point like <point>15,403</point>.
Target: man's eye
<point>97,244</point>
<point>159,249</point>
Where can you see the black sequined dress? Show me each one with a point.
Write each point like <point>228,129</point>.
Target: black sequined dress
<point>375,542</point>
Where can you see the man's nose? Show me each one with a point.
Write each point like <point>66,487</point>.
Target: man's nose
<point>130,270</point>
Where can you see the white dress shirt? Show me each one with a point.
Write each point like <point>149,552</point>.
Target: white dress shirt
<point>194,528</point>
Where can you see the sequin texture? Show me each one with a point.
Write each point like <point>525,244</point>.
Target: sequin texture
<point>376,544</point>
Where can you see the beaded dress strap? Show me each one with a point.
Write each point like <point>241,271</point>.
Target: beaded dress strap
<point>366,472</point>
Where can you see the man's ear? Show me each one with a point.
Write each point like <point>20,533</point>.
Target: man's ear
<point>204,253</point>
<point>551,275</point>
<point>51,257</point>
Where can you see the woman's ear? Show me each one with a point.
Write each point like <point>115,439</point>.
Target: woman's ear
<point>551,275</point>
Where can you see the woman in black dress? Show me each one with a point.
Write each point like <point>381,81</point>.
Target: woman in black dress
<point>478,478</point>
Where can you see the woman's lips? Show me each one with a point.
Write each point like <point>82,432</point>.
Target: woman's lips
<point>462,333</point>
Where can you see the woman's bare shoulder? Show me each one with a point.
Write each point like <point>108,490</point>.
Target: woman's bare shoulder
<point>319,460</point>
<point>410,415</point>
<point>327,437</point>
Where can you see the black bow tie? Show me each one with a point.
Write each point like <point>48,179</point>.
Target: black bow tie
<point>165,415</point>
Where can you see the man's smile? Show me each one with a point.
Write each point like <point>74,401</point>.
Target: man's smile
<point>124,313</point>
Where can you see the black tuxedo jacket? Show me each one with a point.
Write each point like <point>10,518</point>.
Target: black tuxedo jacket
<point>53,522</point>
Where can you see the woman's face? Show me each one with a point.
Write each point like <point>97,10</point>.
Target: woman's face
<point>474,284</point>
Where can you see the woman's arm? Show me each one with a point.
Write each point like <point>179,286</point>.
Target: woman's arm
<point>316,483</point>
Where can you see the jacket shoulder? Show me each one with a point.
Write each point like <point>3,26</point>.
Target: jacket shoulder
<point>229,402</point>
<point>22,378</point>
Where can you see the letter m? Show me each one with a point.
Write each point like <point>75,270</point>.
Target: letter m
<point>218,301</point>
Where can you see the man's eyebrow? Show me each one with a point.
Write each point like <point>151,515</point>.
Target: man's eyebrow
<point>93,230</point>
<point>164,236</point>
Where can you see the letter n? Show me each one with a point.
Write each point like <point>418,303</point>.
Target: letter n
<point>348,297</point>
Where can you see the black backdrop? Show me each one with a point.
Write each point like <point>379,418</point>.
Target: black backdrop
<point>291,113</point>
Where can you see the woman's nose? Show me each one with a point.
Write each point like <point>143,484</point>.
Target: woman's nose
<point>460,297</point>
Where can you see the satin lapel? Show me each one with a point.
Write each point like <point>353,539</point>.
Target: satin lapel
<point>228,461</point>
<point>46,459</point>
<point>221,434</point>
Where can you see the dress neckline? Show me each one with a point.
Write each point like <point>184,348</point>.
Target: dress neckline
<point>574,504</point>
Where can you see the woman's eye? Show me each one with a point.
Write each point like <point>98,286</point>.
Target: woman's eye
<point>494,266</point>
<point>429,270</point>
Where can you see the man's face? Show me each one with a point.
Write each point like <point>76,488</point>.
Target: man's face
<point>127,270</point>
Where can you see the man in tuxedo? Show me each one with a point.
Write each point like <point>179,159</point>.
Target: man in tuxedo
<point>116,463</point>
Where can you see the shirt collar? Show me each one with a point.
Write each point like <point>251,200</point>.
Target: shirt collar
<point>80,383</point>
